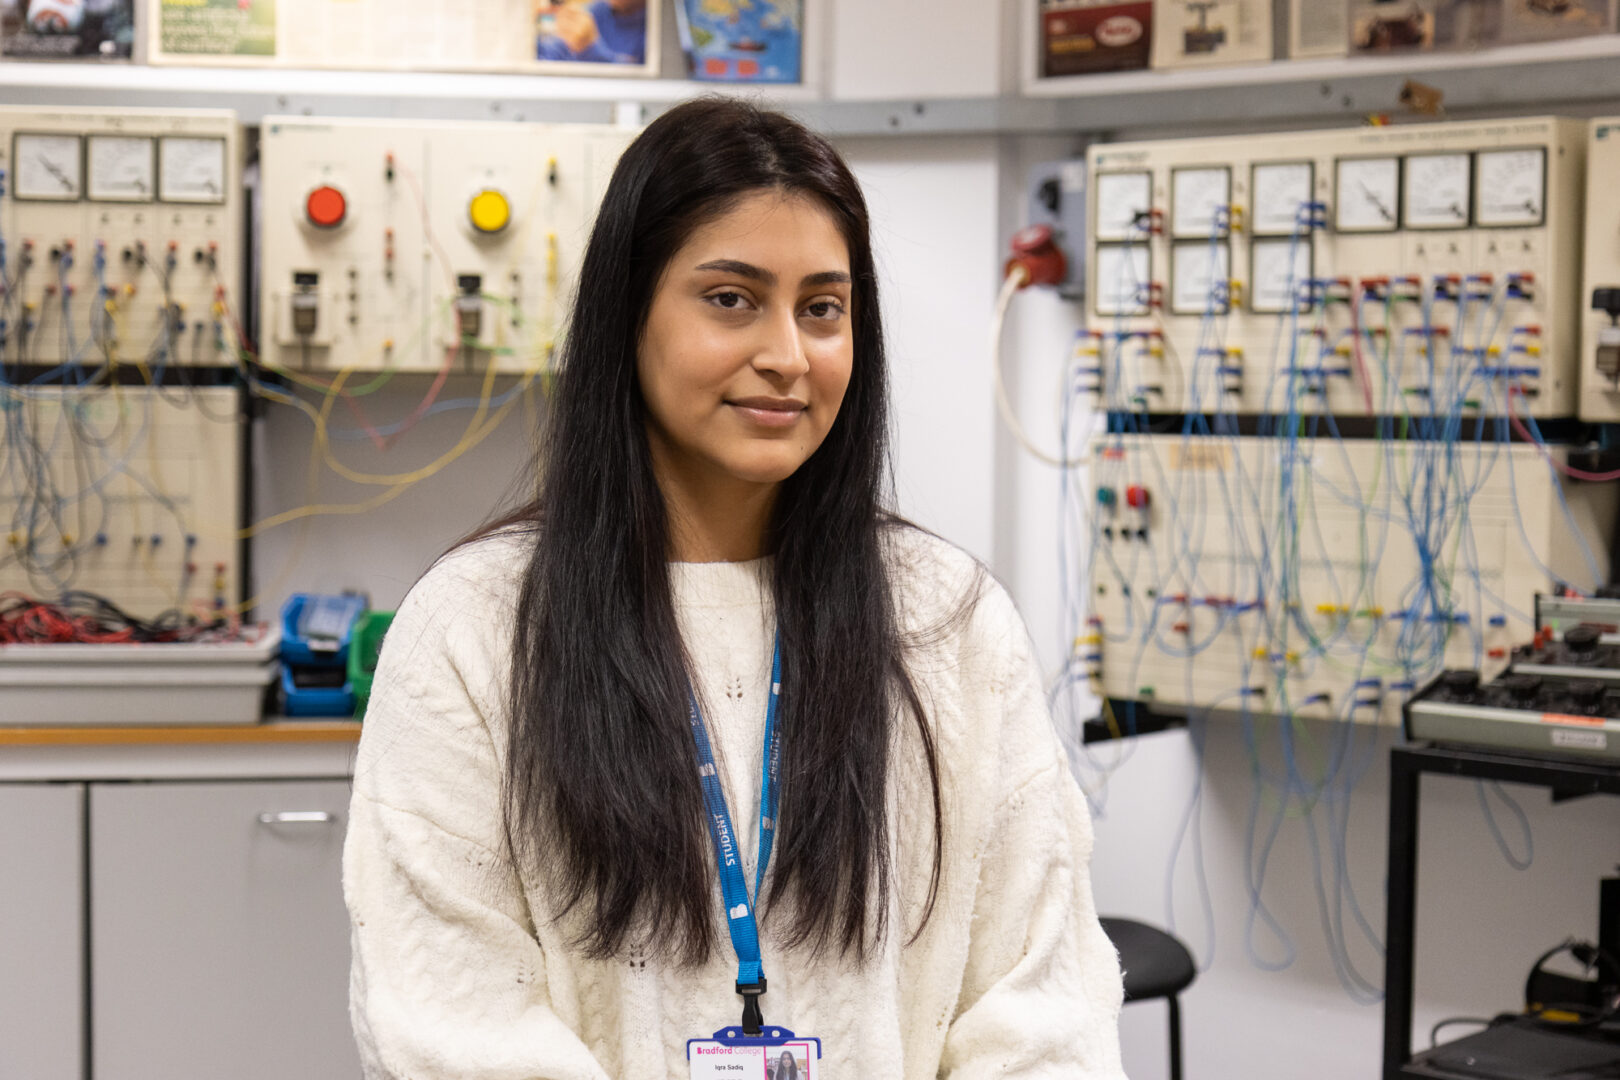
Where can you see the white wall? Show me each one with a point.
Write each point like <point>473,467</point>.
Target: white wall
<point>935,206</point>
<point>893,49</point>
<point>383,551</point>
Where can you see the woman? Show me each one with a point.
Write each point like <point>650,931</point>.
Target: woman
<point>708,620</point>
<point>786,1068</point>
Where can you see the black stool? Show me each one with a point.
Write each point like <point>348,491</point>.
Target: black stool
<point>1157,965</point>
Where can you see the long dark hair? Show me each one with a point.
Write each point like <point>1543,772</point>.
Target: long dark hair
<point>601,786</point>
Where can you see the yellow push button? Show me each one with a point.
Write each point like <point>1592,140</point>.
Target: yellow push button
<point>489,211</point>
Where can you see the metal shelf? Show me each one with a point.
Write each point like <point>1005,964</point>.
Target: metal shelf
<point>259,92</point>
<point>1545,77</point>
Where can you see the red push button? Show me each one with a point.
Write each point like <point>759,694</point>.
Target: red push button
<point>1136,496</point>
<point>326,207</point>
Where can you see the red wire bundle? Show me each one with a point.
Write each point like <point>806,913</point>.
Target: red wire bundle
<point>86,619</point>
<point>24,620</point>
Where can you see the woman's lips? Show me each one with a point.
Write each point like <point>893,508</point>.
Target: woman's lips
<point>769,412</point>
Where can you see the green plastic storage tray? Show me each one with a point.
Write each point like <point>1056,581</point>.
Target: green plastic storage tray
<point>364,645</point>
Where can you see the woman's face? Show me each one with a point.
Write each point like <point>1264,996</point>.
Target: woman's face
<point>748,345</point>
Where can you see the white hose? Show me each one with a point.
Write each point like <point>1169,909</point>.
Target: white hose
<point>1016,277</point>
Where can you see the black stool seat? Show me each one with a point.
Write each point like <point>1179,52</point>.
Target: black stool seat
<point>1156,964</point>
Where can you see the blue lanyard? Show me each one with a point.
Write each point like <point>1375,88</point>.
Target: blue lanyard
<point>740,918</point>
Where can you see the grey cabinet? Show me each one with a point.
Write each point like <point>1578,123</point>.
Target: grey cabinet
<point>219,937</point>
<point>42,1029</point>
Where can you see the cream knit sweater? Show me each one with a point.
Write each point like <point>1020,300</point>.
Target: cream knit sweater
<point>461,971</point>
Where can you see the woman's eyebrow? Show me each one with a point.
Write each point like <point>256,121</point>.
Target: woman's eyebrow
<point>741,269</point>
<point>767,277</point>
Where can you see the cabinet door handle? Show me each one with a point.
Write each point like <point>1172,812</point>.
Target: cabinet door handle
<point>297,817</point>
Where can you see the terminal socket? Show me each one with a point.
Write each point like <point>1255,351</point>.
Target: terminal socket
<point>470,305</point>
<point>306,302</point>
<point>1608,353</point>
<point>1607,300</point>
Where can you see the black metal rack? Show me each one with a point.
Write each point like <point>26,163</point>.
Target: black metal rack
<point>1407,764</point>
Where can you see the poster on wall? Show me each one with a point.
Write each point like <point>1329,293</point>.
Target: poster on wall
<point>67,29</point>
<point>217,27</point>
<point>1382,26</point>
<point>1318,28</point>
<point>1202,33</point>
<point>597,32</point>
<point>745,41</point>
<point>1548,20</point>
<point>1082,37</point>
<point>575,37</point>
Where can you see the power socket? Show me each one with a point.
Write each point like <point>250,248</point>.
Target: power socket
<point>1057,198</point>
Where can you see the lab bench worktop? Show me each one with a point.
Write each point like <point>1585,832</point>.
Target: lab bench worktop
<point>275,748</point>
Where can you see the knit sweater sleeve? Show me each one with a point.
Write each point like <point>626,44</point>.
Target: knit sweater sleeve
<point>447,979</point>
<point>1041,992</point>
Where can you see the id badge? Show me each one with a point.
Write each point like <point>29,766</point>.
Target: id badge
<point>777,1054</point>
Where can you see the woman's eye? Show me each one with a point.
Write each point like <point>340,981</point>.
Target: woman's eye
<point>731,301</point>
<point>825,309</point>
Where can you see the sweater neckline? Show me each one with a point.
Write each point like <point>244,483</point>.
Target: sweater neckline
<point>721,584</point>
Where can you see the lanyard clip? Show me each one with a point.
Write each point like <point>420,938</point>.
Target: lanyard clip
<point>752,1019</point>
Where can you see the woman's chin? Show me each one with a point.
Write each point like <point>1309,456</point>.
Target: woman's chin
<point>771,469</point>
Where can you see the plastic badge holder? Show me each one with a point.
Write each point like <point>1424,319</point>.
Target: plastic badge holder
<point>731,1055</point>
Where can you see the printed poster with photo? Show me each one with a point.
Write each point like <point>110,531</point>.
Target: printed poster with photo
<point>1203,33</point>
<point>67,29</point>
<point>612,36</point>
<point>574,37</point>
<point>1083,37</point>
<point>1549,20</point>
<point>1418,25</point>
<point>742,41</point>
<point>1381,26</point>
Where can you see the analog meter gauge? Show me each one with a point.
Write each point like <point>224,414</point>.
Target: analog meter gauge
<point>1367,194</point>
<point>122,169</point>
<point>1200,201</point>
<point>1124,276</point>
<point>1278,272</point>
<point>1438,191</point>
<point>191,170</point>
<point>1200,273</point>
<point>48,167</point>
<point>1510,187</point>
<point>1281,194</point>
<point>1123,201</point>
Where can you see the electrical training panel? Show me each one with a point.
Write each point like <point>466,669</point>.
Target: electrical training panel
<point>1600,340</point>
<point>1410,270</point>
<point>1319,576</point>
<point>119,236</point>
<point>133,493</point>
<point>411,246</point>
